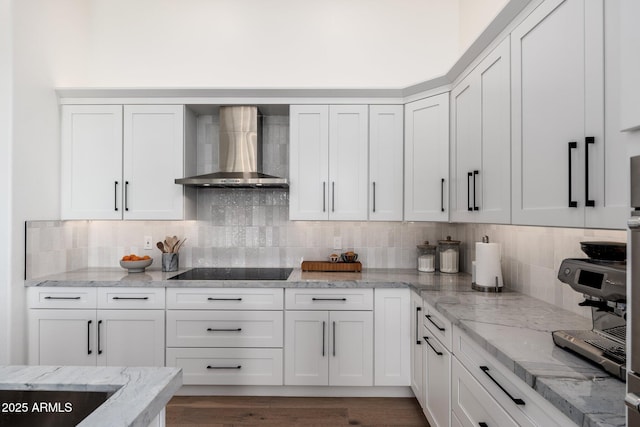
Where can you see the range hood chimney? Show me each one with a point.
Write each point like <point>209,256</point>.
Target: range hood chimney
<point>240,153</point>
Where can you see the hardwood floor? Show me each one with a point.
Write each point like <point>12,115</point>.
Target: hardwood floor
<point>228,411</point>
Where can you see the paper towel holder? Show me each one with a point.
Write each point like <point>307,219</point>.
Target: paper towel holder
<point>495,289</point>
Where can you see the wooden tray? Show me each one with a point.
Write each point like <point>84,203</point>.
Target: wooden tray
<point>331,266</point>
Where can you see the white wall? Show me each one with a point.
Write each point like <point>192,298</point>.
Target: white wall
<point>5,169</point>
<point>474,17</point>
<point>48,42</point>
<point>275,43</point>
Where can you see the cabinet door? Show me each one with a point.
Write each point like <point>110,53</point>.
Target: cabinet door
<point>351,346</point>
<point>62,337</point>
<point>481,142</point>
<point>416,348</point>
<point>557,88</point>
<point>386,128</point>
<point>437,381</point>
<point>91,164</point>
<point>309,162</point>
<point>348,162</point>
<point>426,159</point>
<point>306,348</point>
<point>130,337</point>
<point>393,337</point>
<point>153,159</point>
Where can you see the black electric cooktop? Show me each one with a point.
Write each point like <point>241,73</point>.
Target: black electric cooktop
<point>234,274</point>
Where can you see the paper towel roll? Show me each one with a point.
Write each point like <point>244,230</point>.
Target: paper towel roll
<point>488,265</point>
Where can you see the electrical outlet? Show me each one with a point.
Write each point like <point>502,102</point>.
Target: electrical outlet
<point>337,242</point>
<point>147,242</point>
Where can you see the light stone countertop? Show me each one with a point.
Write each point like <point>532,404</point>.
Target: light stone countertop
<point>139,394</point>
<point>513,327</point>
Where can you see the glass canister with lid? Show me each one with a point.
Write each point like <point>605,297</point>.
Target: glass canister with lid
<point>449,255</point>
<point>426,257</point>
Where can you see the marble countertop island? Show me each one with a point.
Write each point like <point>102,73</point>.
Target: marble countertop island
<point>513,327</point>
<point>139,394</point>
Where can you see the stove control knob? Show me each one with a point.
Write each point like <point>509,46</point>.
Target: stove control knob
<point>567,271</point>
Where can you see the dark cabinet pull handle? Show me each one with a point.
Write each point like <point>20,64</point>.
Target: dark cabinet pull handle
<point>481,424</point>
<point>99,347</point>
<point>442,195</point>
<point>440,328</point>
<point>324,196</point>
<point>324,327</point>
<point>224,299</point>
<point>89,337</point>
<point>130,298</point>
<point>426,339</point>
<point>572,203</point>
<point>475,206</point>
<point>115,196</point>
<point>588,202</point>
<point>374,196</point>
<point>328,299</point>
<point>333,196</point>
<point>418,310</point>
<point>224,330</point>
<point>515,400</point>
<point>334,339</point>
<point>126,195</point>
<point>224,367</point>
<point>64,298</point>
<point>469,208</point>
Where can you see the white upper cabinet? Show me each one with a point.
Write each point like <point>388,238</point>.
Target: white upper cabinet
<point>426,159</point>
<point>329,162</point>
<point>386,127</point>
<point>558,145</point>
<point>481,142</point>
<point>91,162</point>
<point>120,163</point>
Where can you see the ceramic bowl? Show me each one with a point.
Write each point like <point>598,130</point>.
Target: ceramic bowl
<point>136,266</point>
<point>349,257</point>
<point>334,258</point>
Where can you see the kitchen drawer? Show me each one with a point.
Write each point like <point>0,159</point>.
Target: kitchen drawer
<point>225,298</point>
<point>227,366</point>
<point>62,297</point>
<point>328,299</point>
<point>131,298</point>
<point>471,403</point>
<point>217,328</point>
<point>521,401</point>
<point>438,325</point>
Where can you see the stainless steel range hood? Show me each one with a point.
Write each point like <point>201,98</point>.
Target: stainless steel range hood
<point>240,153</point>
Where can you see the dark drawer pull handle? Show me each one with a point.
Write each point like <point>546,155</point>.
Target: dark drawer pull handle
<point>126,195</point>
<point>324,196</point>
<point>426,339</point>
<point>224,299</point>
<point>418,310</point>
<point>475,207</point>
<point>328,299</point>
<point>515,400</point>
<point>334,339</point>
<point>442,195</point>
<point>481,424</point>
<point>224,330</point>
<point>440,328</point>
<point>130,298</point>
<point>469,175</point>
<point>572,203</point>
<point>374,197</point>
<point>65,298</point>
<point>588,202</point>
<point>115,196</point>
<point>324,327</point>
<point>224,367</point>
<point>89,337</point>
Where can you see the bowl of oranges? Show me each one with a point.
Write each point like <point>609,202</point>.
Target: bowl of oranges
<point>135,263</point>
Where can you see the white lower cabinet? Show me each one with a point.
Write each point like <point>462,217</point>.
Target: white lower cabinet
<point>417,381</point>
<point>226,336</point>
<point>437,380</point>
<point>329,348</point>
<point>68,327</point>
<point>471,404</point>
<point>392,365</point>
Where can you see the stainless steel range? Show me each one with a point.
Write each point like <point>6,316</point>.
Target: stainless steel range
<point>603,283</point>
